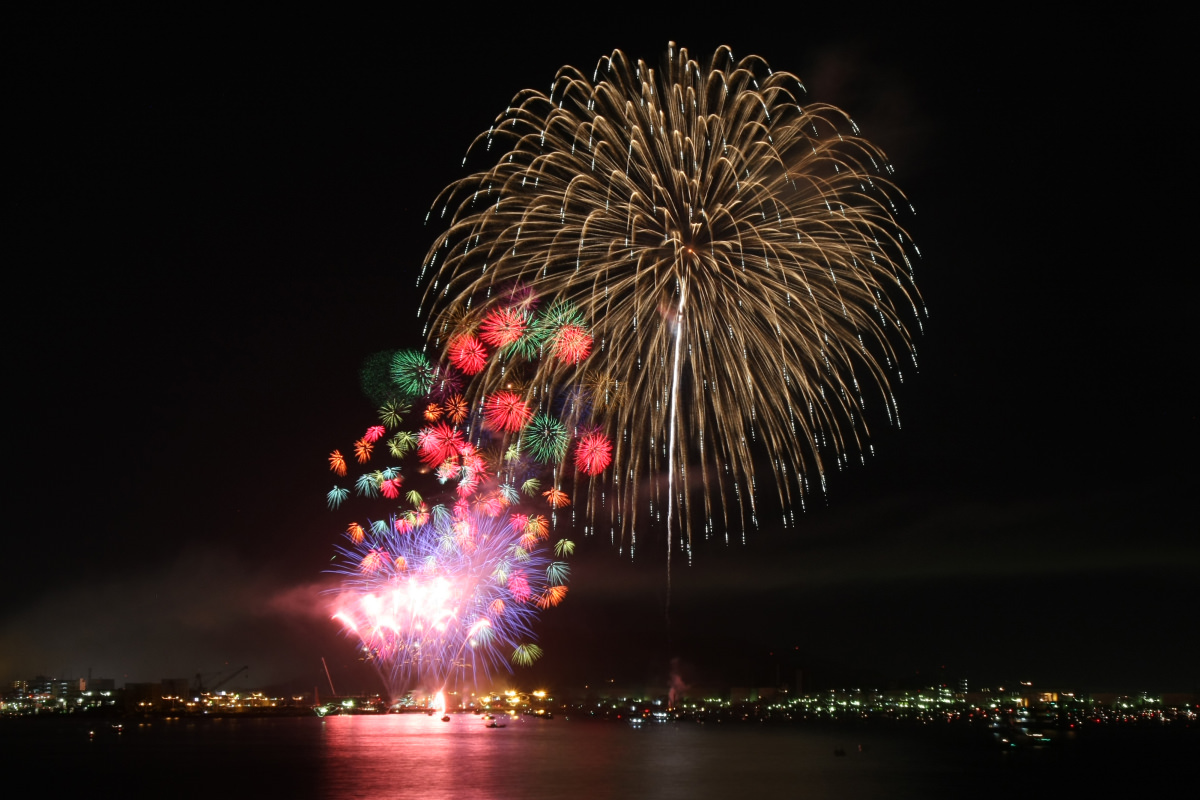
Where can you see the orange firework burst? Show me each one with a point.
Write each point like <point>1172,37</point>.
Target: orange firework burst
<point>362,450</point>
<point>556,498</point>
<point>552,597</point>
<point>538,525</point>
<point>456,409</point>
<point>433,412</point>
<point>375,560</point>
<point>337,462</point>
<point>356,532</point>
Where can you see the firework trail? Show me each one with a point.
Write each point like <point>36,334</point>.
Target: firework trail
<point>737,252</point>
<point>447,603</point>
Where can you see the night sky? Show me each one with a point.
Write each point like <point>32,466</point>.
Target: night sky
<point>213,221</point>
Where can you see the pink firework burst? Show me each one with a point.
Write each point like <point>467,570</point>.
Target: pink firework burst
<point>571,344</point>
<point>593,454</point>
<point>467,486</point>
<point>448,471</point>
<point>390,488</point>
<point>439,443</point>
<point>518,585</point>
<point>468,354</point>
<point>473,462</point>
<point>503,326</point>
<point>506,411</point>
<point>373,433</point>
<point>492,505</point>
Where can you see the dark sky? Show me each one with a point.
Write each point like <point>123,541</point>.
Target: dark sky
<point>215,220</point>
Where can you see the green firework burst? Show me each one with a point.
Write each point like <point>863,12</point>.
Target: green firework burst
<point>393,411</point>
<point>375,379</point>
<point>401,443</point>
<point>411,372</point>
<point>546,439</point>
<point>526,654</point>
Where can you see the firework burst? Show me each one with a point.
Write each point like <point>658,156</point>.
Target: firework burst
<point>467,532</point>
<point>446,603</point>
<point>737,252</point>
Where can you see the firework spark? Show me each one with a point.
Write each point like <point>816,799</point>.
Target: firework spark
<point>737,252</point>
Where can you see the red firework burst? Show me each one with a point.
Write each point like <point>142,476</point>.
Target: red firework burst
<point>571,344</point>
<point>439,443</point>
<point>506,411</point>
<point>503,326</point>
<point>468,354</point>
<point>593,454</point>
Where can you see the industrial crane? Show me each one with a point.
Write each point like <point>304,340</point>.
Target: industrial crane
<point>200,681</point>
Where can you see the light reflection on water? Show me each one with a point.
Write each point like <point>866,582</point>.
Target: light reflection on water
<point>414,755</point>
<point>411,755</point>
<point>295,758</point>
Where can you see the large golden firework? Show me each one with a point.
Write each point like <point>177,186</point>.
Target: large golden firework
<point>737,253</point>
